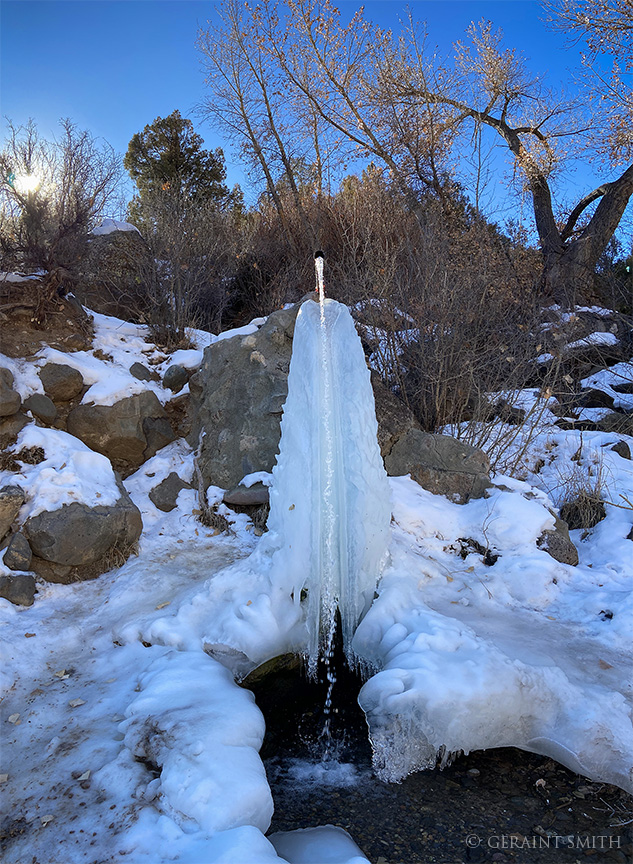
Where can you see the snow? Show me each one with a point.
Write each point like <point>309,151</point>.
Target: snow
<point>108,226</point>
<point>21,277</point>
<point>69,473</point>
<point>323,845</point>
<point>263,477</point>
<point>123,731</point>
<point>519,653</point>
<point>175,708</point>
<point>607,379</point>
<point>598,338</point>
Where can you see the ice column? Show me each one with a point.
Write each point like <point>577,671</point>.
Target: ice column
<point>330,500</point>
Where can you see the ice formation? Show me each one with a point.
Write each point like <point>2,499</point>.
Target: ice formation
<point>330,498</point>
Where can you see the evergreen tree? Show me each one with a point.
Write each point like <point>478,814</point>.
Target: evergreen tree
<point>167,156</point>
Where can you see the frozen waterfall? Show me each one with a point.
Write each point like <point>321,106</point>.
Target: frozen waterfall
<point>330,505</point>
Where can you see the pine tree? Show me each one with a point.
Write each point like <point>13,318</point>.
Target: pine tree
<point>167,156</point>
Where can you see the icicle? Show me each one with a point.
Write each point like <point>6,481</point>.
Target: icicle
<point>330,499</point>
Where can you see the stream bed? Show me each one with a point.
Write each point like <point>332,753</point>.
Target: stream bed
<point>501,805</point>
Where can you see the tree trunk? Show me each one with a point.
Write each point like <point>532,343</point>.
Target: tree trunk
<point>568,271</point>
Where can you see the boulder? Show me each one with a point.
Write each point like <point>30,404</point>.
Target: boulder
<point>18,555</point>
<point>247,496</point>
<point>237,399</point>
<point>41,407</point>
<point>394,417</point>
<point>158,434</point>
<point>10,428</point>
<point>440,464</point>
<point>61,383</point>
<point>557,543</point>
<point>142,373</point>
<point>621,424</point>
<point>11,499</point>
<point>10,400</point>
<point>591,397</point>
<point>121,431</point>
<point>164,496</point>
<point>18,588</point>
<point>622,449</point>
<point>175,378</point>
<point>62,574</point>
<point>76,534</point>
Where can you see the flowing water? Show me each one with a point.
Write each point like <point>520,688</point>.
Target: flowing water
<point>494,799</point>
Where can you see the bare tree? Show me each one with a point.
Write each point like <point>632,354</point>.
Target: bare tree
<point>52,194</point>
<point>395,101</point>
<point>604,33</point>
<point>248,101</point>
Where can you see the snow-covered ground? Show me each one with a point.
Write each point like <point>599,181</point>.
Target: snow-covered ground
<point>124,740</point>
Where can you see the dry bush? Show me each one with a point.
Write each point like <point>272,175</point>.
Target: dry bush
<point>582,489</point>
<point>51,194</point>
<point>445,303</point>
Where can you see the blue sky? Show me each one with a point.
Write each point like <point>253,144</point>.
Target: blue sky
<point>112,66</point>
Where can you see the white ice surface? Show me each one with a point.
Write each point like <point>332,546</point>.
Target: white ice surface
<point>323,845</point>
<point>330,500</point>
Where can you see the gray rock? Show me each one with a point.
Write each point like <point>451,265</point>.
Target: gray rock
<point>41,407</point>
<point>158,434</point>
<point>557,543</point>
<point>622,449</point>
<point>61,574</point>
<point>18,588</point>
<point>76,534</point>
<point>237,399</point>
<point>594,398</point>
<point>10,428</point>
<point>10,401</point>
<point>61,383</point>
<point>440,464</point>
<point>18,555</point>
<point>394,417</point>
<point>164,496</point>
<point>118,431</point>
<point>175,378</point>
<point>621,424</point>
<point>242,496</point>
<point>11,499</point>
<point>142,373</point>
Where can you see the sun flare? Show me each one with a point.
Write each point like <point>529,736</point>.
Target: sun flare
<point>26,183</point>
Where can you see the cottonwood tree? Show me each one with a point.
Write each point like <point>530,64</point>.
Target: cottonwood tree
<point>604,33</point>
<point>52,194</point>
<point>250,102</point>
<point>396,101</point>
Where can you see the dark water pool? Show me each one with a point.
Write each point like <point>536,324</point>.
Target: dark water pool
<point>500,805</point>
